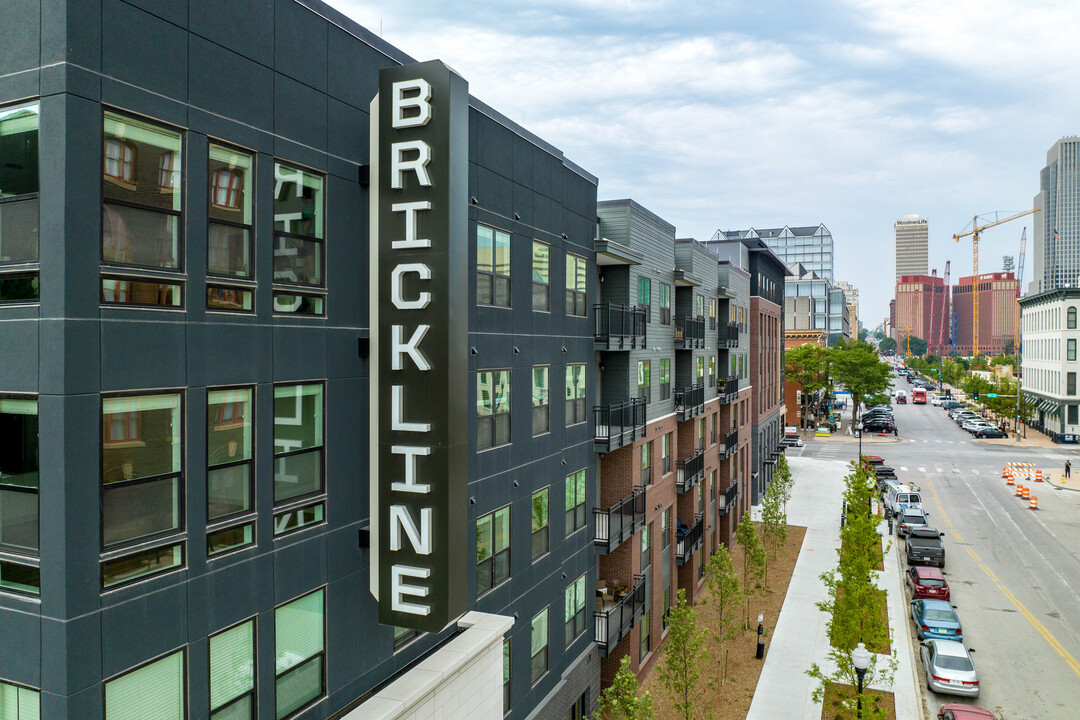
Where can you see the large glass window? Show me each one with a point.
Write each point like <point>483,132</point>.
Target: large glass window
<point>539,645</point>
<point>646,548</point>
<point>142,480</point>
<point>143,210</point>
<point>575,394</point>
<point>232,673</point>
<point>575,501</point>
<point>299,652</point>
<point>576,285</point>
<point>298,455</point>
<point>154,691</point>
<point>299,238</point>
<point>1070,384</point>
<point>541,276</point>
<point>646,463</point>
<point>506,675</point>
<point>665,304</point>
<point>541,401</point>
<point>665,453</point>
<point>1070,319</point>
<point>492,408</point>
<point>492,549</point>
<point>1070,350</point>
<point>575,609</point>
<point>229,252</point>
<point>646,621</point>
<point>540,523</point>
<point>18,476</point>
<point>19,206</point>
<point>644,296</point>
<point>492,266</point>
<point>665,378</point>
<point>230,446</point>
<point>19,703</point>
<point>644,380</point>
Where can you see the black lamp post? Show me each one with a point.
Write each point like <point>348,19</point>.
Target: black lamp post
<point>860,657</point>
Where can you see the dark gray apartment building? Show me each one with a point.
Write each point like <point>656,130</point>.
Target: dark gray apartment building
<point>186,352</point>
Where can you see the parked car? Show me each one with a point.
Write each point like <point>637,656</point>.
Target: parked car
<point>900,498</point>
<point>990,432</point>
<point>901,399</point>
<point>936,619</point>
<point>975,424</point>
<point>924,545</point>
<point>936,400</point>
<point>874,459</point>
<point>927,582</point>
<point>950,404</point>
<point>879,426</point>
<point>958,711</point>
<point>949,668</point>
<point>908,519</point>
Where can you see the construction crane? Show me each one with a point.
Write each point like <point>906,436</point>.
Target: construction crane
<point>930,321</point>
<point>1019,280</point>
<point>908,353</point>
<point>974,232</point>
<point>944,309</point>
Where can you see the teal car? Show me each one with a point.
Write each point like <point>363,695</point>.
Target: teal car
<point>936,619</point>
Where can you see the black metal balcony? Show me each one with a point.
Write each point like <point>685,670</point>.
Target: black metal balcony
<point>618,523</point>
<point>691,539</point>
<point>730,496</point>
<point>619,327</point>
<point>727,336</point>
<point>689,332</point>
<point>618,425</point>
<point>727,388</point>
<point>731,443</point>
<point>690,471</point>
<point>612,624</point>
<point>690,401</point>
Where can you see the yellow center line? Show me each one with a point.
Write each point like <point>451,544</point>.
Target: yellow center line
<point>1034,621</point>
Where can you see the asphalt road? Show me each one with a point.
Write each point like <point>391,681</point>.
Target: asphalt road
<point>1014,572</point>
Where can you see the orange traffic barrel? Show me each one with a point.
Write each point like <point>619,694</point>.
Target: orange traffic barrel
<point>1038,476</point>
<point>1009,479</point>
<point>1019,491</point>
<point>1034,503</point>
<point>1027,493</point>
<point>1005,470</point>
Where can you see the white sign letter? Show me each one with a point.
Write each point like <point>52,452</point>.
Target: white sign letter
<point>398,589</point>
<point>410,452</point>
<point>410,241</point>
<point>418,101</point>
<point>422,299</point>
<point>397,412</point>
<point>399,165</point>
<point>419,538</point>
<point>397,347</point>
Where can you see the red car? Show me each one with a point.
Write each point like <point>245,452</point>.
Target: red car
<point>927,582</point>
<point>874,459</point>
<point>958,711</point>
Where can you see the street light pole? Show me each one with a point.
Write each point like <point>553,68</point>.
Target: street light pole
<point>860,658</point>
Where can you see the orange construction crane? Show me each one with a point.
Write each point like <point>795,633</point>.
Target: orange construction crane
<point>1019,281</point>
<point>975,230</point>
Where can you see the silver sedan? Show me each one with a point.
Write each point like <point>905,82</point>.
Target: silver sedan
<point>949,668</point>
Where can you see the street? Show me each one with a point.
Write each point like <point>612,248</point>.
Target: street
<point>1014,572</point>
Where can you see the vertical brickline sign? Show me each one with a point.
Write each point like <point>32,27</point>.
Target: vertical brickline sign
<point>419,357</point>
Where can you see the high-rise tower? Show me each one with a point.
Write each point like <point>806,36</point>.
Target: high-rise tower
<point>1056,245</point>
<point>910,243</point>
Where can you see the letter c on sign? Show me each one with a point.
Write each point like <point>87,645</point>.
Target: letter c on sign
<point>400,302</point>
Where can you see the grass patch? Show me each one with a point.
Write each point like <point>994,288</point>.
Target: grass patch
<point>831,709</point>
<point>883,618</point>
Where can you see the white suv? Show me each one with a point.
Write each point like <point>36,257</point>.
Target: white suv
<point>936,399</point>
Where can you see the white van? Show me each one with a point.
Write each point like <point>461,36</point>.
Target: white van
<point>899,497</point>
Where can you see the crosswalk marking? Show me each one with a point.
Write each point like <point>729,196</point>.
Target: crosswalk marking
<point>974,471</point>
<point>939,470</point>
<point>956,471</point>
<point>903,469</point>
<point>922,469</point>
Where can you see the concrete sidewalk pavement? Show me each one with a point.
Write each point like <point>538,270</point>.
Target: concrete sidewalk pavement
<point>800,638</point>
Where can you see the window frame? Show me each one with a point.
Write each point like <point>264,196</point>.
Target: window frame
<point>240,519</point>
<point>541,411</point>
<point>665,379</point>
<point>492,273</point>
<point>1070,350</point>
<point>253,693</point>
<point>576,409</point>
<point>24,558</point>
<point>665,303</point>
<point>541,287</point>
<point>184,682</point>
<point>574,609</point>
<point>665,453</point>
<point>1070,318</point>
<point>494,411</point>
<point>25,268</point>
<point>495,579</point>
<point>543,530</point>
<point>544,649</point>
<point>646,463</point>
<point>281,289</point>
<point>315,500</point>
<point>576,305</point>
<point>644,371</point>
<point>645,283</point>
<point>225,283</point>
<point>321,654</point>
<point>575,514</point>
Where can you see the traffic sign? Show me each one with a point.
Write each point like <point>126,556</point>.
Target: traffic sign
<point>991,394</point>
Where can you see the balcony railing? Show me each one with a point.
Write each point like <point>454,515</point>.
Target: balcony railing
<point>689,332</point>
<point>690,401</point>
<point>618,425</point>
<point>728,336</point>
<point>691,539</point>
<point>731,443</point>
<point>618,523</point>
<point>690,471</point>
<point>727,388</point>
<point>730,496</point>
<point>612,624</point>
<point>619,327</point>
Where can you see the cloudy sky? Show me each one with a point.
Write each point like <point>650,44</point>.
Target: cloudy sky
<point>721,114</point>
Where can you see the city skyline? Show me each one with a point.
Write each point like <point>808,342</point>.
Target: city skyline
<point>714,117</point>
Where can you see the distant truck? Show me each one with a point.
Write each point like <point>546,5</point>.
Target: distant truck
<point>925,547</point>
<point>918,396</point>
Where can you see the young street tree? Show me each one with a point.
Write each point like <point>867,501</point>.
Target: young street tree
<point>855,366</point>
<point>723,582</point>
<point>773,525</point>
<point>782,477</point>
<point>753,563</point>
<point>683,655</point>
<point>620,701</point>
<point>807,365</point>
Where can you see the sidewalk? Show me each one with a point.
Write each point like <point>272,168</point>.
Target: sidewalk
<point>784,688</point>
